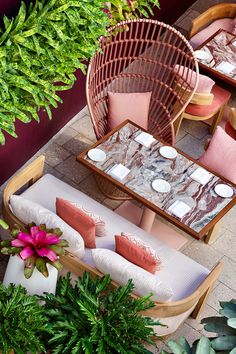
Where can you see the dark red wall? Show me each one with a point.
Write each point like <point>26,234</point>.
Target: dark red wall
<point>31,137</point>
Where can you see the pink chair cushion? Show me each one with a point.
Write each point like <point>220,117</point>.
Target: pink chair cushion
<point>224,23</point>
<point>133,106</point>
<point>78,220</point>
<point>136,251</point>
<point>221,155</point>
<point>205,84</point>
<point>221,96</point>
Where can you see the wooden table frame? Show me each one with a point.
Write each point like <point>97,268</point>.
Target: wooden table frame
<point>207,230</point>
<point>213,71</point>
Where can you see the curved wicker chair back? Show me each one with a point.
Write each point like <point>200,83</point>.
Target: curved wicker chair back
<point>140,56</point>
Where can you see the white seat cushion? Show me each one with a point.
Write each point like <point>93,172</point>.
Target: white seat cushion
<point>182,273</point>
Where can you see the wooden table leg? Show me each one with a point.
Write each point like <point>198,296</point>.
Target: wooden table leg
<point>210,237</point>
<point>147,219</point>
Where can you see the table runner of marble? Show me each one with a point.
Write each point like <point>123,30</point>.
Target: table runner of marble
<point>221,48</point>
<point>146,165</point>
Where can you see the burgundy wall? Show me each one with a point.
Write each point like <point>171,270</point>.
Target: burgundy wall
<point>31,137</point>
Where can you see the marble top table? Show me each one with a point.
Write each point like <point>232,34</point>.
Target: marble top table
<point>221,52</point>
<point>146,165</point>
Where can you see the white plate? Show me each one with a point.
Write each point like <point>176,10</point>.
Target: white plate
<point>161,186</point>
<point>201,54</point>
<point>223,190</point>
<point>96,155</point>
<point>168,152</point>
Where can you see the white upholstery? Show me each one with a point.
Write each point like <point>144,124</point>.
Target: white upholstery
<point>182,273</point>
<point>28,211</point>
<point>121,270</point>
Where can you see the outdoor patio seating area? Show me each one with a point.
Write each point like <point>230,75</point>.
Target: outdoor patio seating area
<point>196,240</point>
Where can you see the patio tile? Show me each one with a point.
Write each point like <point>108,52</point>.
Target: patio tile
<point>181,134</point>
<point>191,146</point>
<point>71,168</point>
<point>220,293</point>
<point>226,244</point>
<point>111,203</point>
<point>84,126</point>
<point>77,144</point>
<point>227,275</point>
<point>185,21</point>
<point>196,324</point>
<point>229,220</point>
<point>203,254</point>
<point>55,154</point>
<point>49,169</point>
<point>188,332</point>
<point>89,187</point>
<point>64,135</point>
<point>197,129</point>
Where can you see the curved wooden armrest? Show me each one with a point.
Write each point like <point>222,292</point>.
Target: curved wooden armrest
<point>162,310</point>
<point>29,174</point>
<point>213,13</point>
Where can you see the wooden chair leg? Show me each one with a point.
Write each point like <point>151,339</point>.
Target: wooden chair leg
<point>217,119</point>
<point>177,124</point>
<point>201,304</point>
<point>210,237</point>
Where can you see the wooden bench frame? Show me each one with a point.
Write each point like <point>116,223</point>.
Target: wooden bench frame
<point>30,175</point>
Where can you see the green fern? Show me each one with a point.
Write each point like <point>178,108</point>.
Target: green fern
<point>22,321</point>
<point>88,318</point>
<point>42,47</point>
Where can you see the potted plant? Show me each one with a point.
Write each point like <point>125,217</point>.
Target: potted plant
<point>22,321</point>
<point>35,254</point>
<point>87,317</point>
<point>224,342</point>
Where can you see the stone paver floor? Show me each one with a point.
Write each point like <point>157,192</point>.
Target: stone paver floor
<point>78,134</point>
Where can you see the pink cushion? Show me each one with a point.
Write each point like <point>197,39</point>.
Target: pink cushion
<point>224,23</point>
<point>221,96</point>
<point>136,251</point>
<point>78,220</point>
<point>205,84</point>
<point>133,106</point>
<point>221,155</point>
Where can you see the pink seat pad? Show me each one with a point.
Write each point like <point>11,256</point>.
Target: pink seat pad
<point>221,96</point>
<point>225,23</point>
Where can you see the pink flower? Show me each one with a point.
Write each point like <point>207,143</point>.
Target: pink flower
<point>36,243</point>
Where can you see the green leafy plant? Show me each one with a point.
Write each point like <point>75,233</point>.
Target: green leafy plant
<point>37,246</point>
<point>3,224</point>
<point>89,318</point>
<point>41,48</point>
<point>224,326</point>
<point>22,321</point>
<point>120,10</point>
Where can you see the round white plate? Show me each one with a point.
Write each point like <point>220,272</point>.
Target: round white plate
<point>168,152</point>
<point>96,155</point>
<point>223,190</point>
<point>201,54</point>
<point>161,186</point>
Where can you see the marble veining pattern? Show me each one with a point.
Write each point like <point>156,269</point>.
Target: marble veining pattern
<point>146,165</point>
<point>221,48</point>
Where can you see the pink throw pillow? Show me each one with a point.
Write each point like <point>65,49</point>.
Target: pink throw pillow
<point>78,220</point>
<point>136,251</point>
<point>205,84</point>
<point>133,106</point>
<point>221,155</point>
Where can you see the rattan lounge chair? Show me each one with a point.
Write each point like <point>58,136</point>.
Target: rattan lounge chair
<point>140,56</point>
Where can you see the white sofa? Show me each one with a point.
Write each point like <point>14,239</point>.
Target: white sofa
<point>190,281</point>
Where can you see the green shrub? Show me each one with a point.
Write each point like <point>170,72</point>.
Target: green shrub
<point>88,318</point>
<point>22,321</point>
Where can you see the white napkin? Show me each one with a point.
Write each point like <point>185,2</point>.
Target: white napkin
<point>179,208</point>
<point>225,67</point>
<point>145,139</point>
<point>119,171</point>
<point>201,176</point>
